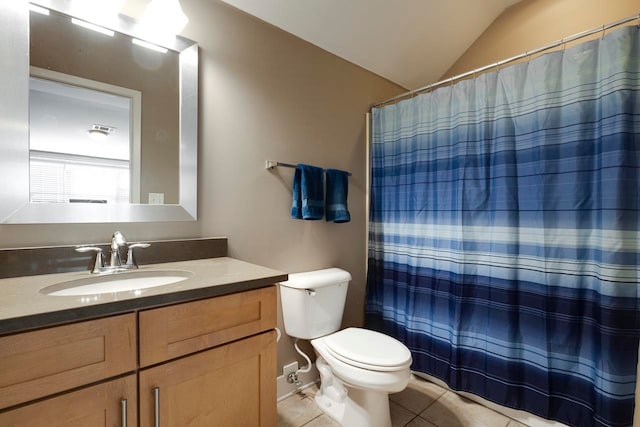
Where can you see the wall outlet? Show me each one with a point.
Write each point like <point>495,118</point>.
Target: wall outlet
<point>291,367</point>
<point>156,198</point>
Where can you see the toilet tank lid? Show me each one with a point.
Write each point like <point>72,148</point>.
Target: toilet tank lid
<point>317,278</point>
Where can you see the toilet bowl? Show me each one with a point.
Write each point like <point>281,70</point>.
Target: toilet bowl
<point>356,378</point>
<point>358,367</point>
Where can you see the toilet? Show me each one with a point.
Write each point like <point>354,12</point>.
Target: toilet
<point>358,367</point>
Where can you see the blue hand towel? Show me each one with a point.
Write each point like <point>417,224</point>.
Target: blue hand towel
<point>337,190</point>
<point>308,193</point>
<point>296,203</point>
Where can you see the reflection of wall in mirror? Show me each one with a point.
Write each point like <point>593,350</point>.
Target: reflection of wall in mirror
<point>58,45</point>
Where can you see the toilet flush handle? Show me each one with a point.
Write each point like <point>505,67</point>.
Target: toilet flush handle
<point>311,292</point>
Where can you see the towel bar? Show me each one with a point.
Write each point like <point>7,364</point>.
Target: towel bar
<point>270,164</point>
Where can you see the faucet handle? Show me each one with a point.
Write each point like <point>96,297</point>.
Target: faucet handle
<point>99,261</point>
<point>131,258</point>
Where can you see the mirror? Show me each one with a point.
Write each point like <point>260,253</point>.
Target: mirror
<point>141,101</point>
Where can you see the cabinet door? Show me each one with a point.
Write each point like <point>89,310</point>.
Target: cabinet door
<point>40,363</point>
<point>95,406</point>
<point>227,386</point>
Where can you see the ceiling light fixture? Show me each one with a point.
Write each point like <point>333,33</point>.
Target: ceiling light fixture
<point>149,45</point>
<point>93,27</point>
<point>162,21</point>
<point>38,9</point>
<point>167,13</point>
<point>101,12</point>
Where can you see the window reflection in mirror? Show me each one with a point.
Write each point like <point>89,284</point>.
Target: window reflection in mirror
<point>125,173</point>
<point>82,147</point>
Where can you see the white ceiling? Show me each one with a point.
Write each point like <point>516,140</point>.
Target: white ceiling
<point>60,116</point>
<point>410,42</point>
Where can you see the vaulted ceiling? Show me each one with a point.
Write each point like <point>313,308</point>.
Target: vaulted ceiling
<point>410,42</point>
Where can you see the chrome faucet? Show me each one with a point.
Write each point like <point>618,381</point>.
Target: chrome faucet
<point>115,263</point>
<point>117,240</point>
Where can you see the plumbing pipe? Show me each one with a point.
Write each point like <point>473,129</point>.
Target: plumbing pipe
<point>301,353</point>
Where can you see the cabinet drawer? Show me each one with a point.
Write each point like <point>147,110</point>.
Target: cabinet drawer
<point>95,406</point>
<point>174,331</point>
<point>40,363</point>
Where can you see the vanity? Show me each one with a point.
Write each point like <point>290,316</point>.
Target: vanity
<point>201,351</point>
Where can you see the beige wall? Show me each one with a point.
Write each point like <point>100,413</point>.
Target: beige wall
<point>264,94</point>
<point>534,23</point>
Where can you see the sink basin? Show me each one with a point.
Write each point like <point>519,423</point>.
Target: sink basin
<point>118,282</point>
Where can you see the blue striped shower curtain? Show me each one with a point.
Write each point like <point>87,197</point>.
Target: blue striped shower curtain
<point>504,232</point>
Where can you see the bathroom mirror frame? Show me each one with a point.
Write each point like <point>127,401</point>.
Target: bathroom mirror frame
<point>15,205</point>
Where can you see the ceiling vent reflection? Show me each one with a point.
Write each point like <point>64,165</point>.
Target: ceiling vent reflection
<point>100,132</point>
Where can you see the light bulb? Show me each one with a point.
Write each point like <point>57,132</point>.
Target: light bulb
<point>162,21</point>
<point>97,11</point>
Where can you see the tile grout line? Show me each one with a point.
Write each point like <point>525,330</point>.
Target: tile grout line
<point>311,420</point>
<point>418,415</point>
<point>409,422</point>
<point>429,406</point>
<point>434,401</point>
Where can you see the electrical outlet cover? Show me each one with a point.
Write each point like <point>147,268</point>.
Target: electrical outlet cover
<point>156,198</point>
<point>291,367</point>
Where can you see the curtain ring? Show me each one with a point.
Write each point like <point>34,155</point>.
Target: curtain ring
<point>603,31</point>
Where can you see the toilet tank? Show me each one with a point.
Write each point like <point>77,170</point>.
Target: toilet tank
<point>313,302</point>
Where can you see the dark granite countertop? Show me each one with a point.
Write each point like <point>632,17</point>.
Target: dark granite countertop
<point>24,307</point>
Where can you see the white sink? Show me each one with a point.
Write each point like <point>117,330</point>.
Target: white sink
<point>117,282</point>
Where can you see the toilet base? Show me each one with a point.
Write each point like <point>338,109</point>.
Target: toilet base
<point>350,406</point>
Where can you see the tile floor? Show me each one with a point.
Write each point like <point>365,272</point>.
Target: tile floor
<point>421,404</point>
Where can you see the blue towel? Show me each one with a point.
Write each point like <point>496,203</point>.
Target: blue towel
<point>308,193</point>
<point>296,203</point>
<point>337,190</point>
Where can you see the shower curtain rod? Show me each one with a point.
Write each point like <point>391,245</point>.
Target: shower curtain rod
<point>511,59</point>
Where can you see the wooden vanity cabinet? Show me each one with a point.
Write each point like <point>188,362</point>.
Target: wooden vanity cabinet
<point>210,362</point>
<point>224,374</point>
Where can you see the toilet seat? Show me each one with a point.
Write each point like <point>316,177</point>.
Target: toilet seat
<point>356,374</point>
<point>368,349</point>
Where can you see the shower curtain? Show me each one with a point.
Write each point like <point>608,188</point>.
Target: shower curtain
<point>504,227</point>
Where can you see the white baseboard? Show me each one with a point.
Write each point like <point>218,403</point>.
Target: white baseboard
<point>307,379</point>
